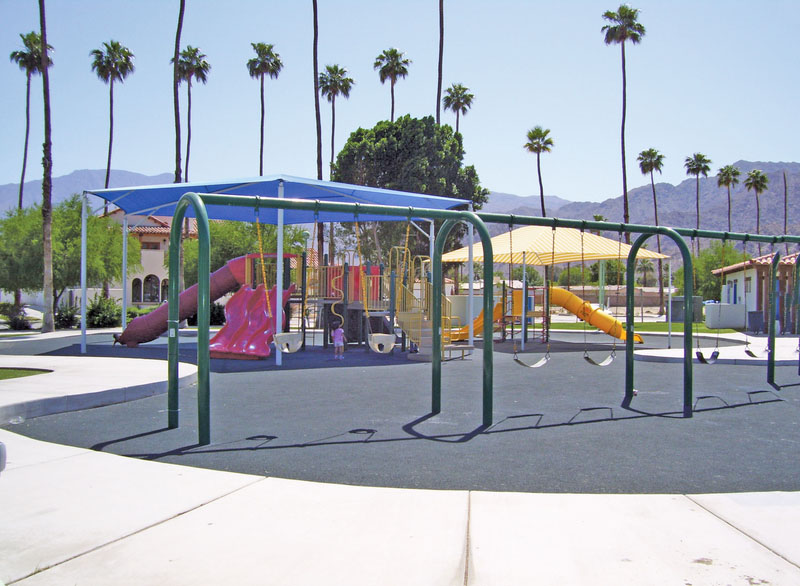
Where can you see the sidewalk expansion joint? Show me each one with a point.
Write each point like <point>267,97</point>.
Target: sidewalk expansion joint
<point>467,540</point>
<point>742,532</point>
<point>39,570</point>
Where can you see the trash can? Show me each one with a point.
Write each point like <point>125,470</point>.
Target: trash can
<point>755,321</point>
<point>678,305</point>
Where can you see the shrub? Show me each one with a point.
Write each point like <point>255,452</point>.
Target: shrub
<point>14,316</point>
<point>66,316</point>
<point>134,312</point>
<point>103,313</point>
<point>217,317</point>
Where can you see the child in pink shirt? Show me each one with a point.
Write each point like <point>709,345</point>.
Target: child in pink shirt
<point>338,342</point>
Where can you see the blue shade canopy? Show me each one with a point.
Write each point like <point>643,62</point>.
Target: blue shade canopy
<point>162,199</point>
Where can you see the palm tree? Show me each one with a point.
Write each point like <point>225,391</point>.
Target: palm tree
<point>698,164</point>
<point>645,267</point>
<point>266,62</point>
<point>649,161</point>
<point>441,61</point>
<point>191,64</point>
<point>48,321</point>
<point>458,99</point>
<point>176,108</point>
<point>29,60</point>
<point>391,65</point>
<point>539,142</point>
<point>623,27</point>
<point>728,176</point>
<point>316,100</point>
<point>320,234</point>
<point>114,62</point>
<point>332,83</point>
<point>757,182</point>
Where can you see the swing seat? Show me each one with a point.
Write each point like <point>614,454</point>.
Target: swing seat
<point>541,362</point>
<point>382,343</point>
<point>605,362</point>
<point>710,360</point>
<point>289,342</point>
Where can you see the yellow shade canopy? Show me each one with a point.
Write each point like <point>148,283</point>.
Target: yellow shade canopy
<point>544,245</point>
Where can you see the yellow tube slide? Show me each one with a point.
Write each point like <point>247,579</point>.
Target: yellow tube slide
<point>585,311</point>
<point>462,333</point>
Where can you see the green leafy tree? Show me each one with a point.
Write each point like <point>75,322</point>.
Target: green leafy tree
<point>234,239</point>
<point>409,154</point>
<point>539,142</point>
<point>332,83</point>
<point>623,26</point>
<point>21,251</point>
<point>457,99</point>
<point>728,176</point>
<point>392,65</point>
<point>757,182</point>
<point>717,255</point>
<point>615,272</point>
<point>29,60</point>
<point>574,277</point>
<point>532,276</point>
<point>114,62</point>
<point>651,160</point>
<point>192,64</point>
<point>266,63</point>
<point>698,164</point>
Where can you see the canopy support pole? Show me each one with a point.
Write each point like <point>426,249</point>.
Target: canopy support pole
<point>84,292</point>
<point>278,316</point>
<point>124,319</point>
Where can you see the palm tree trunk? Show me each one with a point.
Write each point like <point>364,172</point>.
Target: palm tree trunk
<point>188,127</point>
<point>316,98</point>
<point>658,245</point>
<point>785,209</point>
<point>729,208</point>
<point>697,209</point>
<point>758,220</point>
<point>48,322</point>
<point>391,119</point>
<point>625,213</point>
<point>441,57</point>
<point>457,113</point>
<point>110,135</point>
<point>176,106</point>
<point>333,128</point>
<point>27,134</point>
<point>261,148</point>
<point>541,188</point>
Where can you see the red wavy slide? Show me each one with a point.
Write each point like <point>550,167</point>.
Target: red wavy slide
<point>248,330</point>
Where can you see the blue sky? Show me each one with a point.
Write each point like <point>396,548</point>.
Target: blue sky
<point>718,77</point>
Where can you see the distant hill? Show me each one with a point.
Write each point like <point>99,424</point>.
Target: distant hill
<point>505,203</point>
<point>676,203</point>
<point>76,182</point>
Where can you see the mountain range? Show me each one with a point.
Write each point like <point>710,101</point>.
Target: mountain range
<point>76,182</point>
<point>676,203</point>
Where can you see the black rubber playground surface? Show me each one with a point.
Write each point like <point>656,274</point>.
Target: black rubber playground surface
<point>367,420</point>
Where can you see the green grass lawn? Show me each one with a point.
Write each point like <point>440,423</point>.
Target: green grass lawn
<point>7,373</point>
<point>699,328</point>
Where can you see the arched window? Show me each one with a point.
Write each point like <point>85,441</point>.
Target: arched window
<point>136,291</point>
<point>151,289</point>
<point>165,290</point>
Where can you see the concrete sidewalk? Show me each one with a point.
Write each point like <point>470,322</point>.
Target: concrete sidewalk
<point>76,516</point>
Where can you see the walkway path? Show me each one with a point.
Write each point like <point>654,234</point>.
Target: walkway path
<point>77,516</point>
